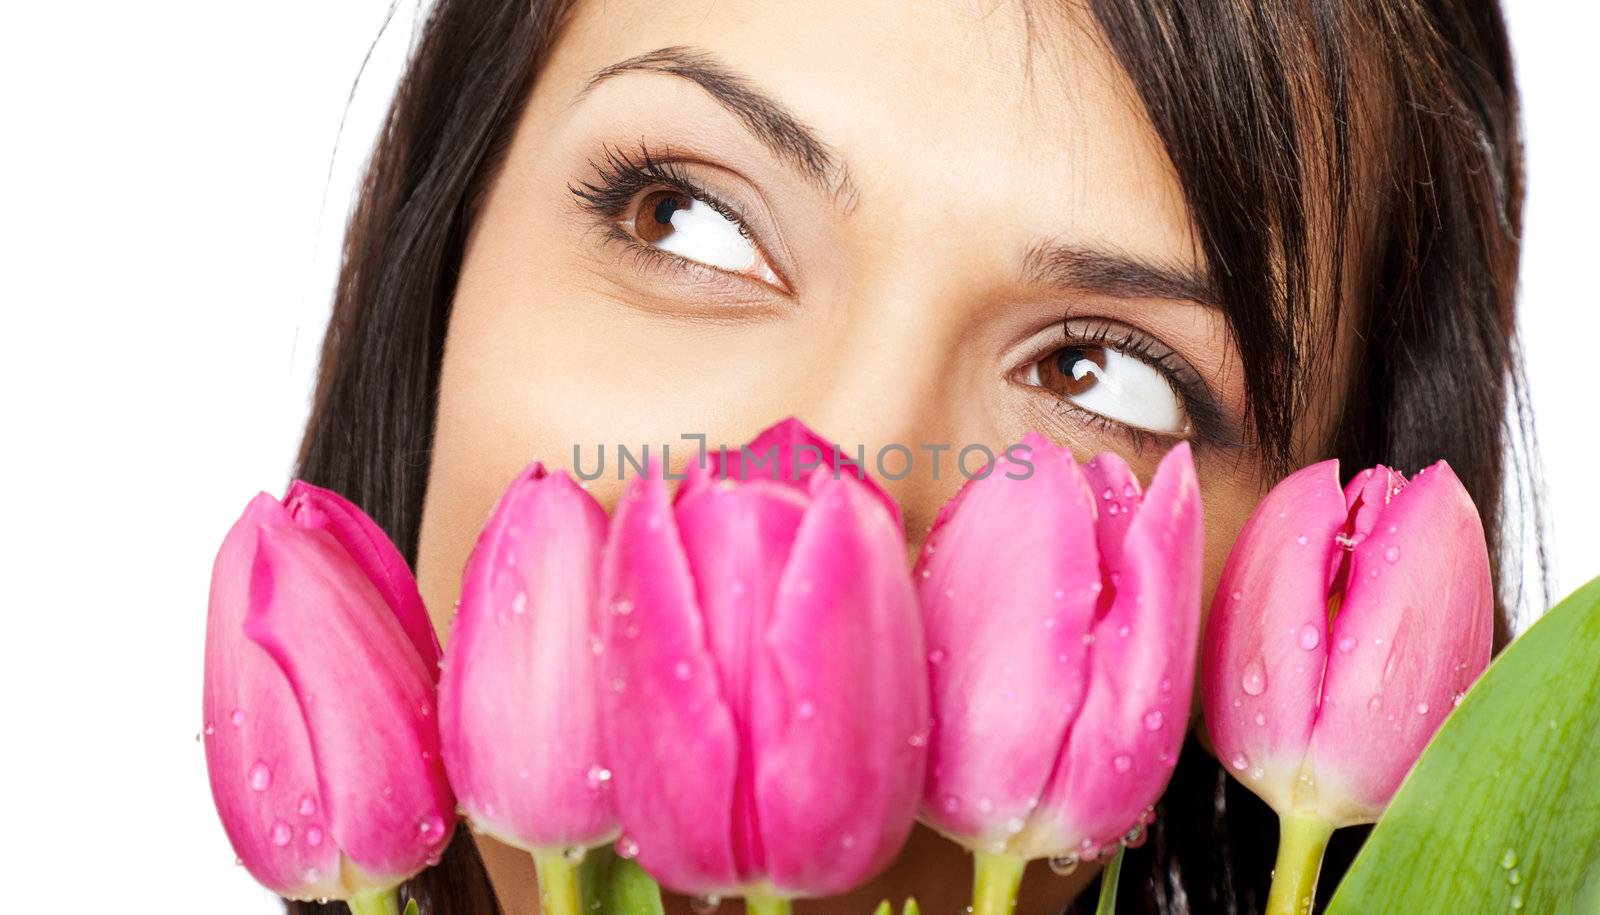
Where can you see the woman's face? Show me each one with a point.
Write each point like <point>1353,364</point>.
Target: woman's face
<point>902,222</point>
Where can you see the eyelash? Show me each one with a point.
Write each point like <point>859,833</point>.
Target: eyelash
<point>1208,423</point>
<point>620,179</point>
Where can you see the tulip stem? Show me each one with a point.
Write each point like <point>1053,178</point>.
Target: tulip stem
<point>762,904</point>
<point>1302,838</point>
<point>378,902</point>
<point>1108,885</point>
<point>995,882</point>
<point>558,884</point>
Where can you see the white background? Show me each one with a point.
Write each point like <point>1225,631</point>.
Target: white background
<point>173,182</point>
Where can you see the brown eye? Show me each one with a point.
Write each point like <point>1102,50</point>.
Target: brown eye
<point>652,221</point>
<point>694,230</point>
<point>1073,371</point>
<point>1111,383</point>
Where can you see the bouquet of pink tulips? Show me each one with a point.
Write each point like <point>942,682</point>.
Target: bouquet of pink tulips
<point>740,685</point>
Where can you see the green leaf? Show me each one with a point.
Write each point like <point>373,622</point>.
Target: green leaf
<point>911,907</point>
<point>1502,812</point>
<point>411,907</point>
<point>616,886</point>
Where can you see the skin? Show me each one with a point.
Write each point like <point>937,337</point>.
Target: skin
<point>903,320</point>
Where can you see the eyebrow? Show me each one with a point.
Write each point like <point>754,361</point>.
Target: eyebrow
<point>778,128</point>
<point>1109,273</point>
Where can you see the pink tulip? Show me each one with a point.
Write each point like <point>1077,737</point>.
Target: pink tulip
<point>766,688</point>
<point>319,692</point>
<point>518,705</point>
<point>1062,608</point>
<point>1344,626</point>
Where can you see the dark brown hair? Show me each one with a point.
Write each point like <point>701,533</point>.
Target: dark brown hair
<point>1308,135</point>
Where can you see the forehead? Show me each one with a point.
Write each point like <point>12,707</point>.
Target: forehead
<point>1012,116</point>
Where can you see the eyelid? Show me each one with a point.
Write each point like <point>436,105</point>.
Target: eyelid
<point>1208,422</point>
<point>624,176</point>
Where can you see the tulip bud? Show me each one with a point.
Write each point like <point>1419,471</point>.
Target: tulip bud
<point>319,696</point>
<point>518,702</point>
<point>1344,627</point>
<point>1062,613</point>
<point>766,689</point>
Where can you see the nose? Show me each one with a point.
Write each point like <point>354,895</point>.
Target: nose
<point>886,389</point>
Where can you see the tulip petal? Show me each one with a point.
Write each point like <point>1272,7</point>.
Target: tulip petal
<point>1116,497</point>
<point>321,509</point>
<point>518,703</point>
<point>737,539</point>
<point>366,696</point>
<point>1266,639</point>
<point>787,451</point>
<point>263,774</point>
<point>1414,630</point>
<point>840,716</point>
<point>1008,582</point>
<point>669,731</point>
<point>1122,747</point>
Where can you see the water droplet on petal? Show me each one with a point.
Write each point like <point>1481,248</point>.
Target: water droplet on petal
<point>951,803</point>
<point>1309,637</point>
<point>1014,825</point>
<point>806,710</point>
<point>618,684</point>
<point>1153,720</point>
<point>313,836</point>
<point>307,805</point>
<point>985,805</point>
<point>597,776</point>
<point>519,604</point>
<point>1121,762</point>
<point>1392,554</point>
<point>627,849</point>
<point>260,777</point>
<point>1123,631</point>
<point>919,739</point>
<point>1113,508</point>
<point>622,607</point>
<point>1064,865</point>
<point>1422,708</point>
<point>1108,494</point>
<point>1375,703</point>
<point>237,717</point>
<point>682,670</point>
<point>704,905</point>
<point>431,828</point>
<point>1238,595</point>
<point>1254,681</point>
<point>1347,643</point>
<point>1261,719</point>
<point>936,656</point>
<point>1128,491</point>
<point>1240,762</point>
<point>1302,540</point>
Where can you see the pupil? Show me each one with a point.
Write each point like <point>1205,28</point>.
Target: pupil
<point>665,208</point>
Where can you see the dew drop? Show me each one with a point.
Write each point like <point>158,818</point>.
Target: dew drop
<point>1347,643</point>
<point>985,805</point>
<point>1240,763</point>
<point>627,849</point>
<point>1122,762</point>
<point>519,604</point>
<point>681,670</point>
<point>1238,595</point>
<point>237,717</point>
<point>1059,594</point>
<point>1261,719</point>
<point>936,656</point>
<point>1113,508</point>
<point>1064,865</point>
<point>622,607</point>
<point>574,855</point>
<point>919,739</point>
<point>1422,708</point>
<point>1345,541</point>
<point>1516,902</point>
<point>307,805</point>
<point>704,905</point>
<point>1509,859</point>
<point>1128,491</point>
<point>313,836</point>
<point>926,574</point>
<point>597,777</point>
<point>1309,637</point>
<point>951,803</point>
<point>848,840</point>
<point>430,828</point>
<point>1135,837</point>
<point>1514,876</point>
<point>260,777</point>
<point>1153,720</point>
<point>618,685</point>
<point>806,710</point>
<point>281,833</point>
<point>1014,825</point>
<point>1108,495</point>
<point>1375,703</point>
<point>1392,554</point>
<point>1254,681</point>
<point>1302,540</point>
